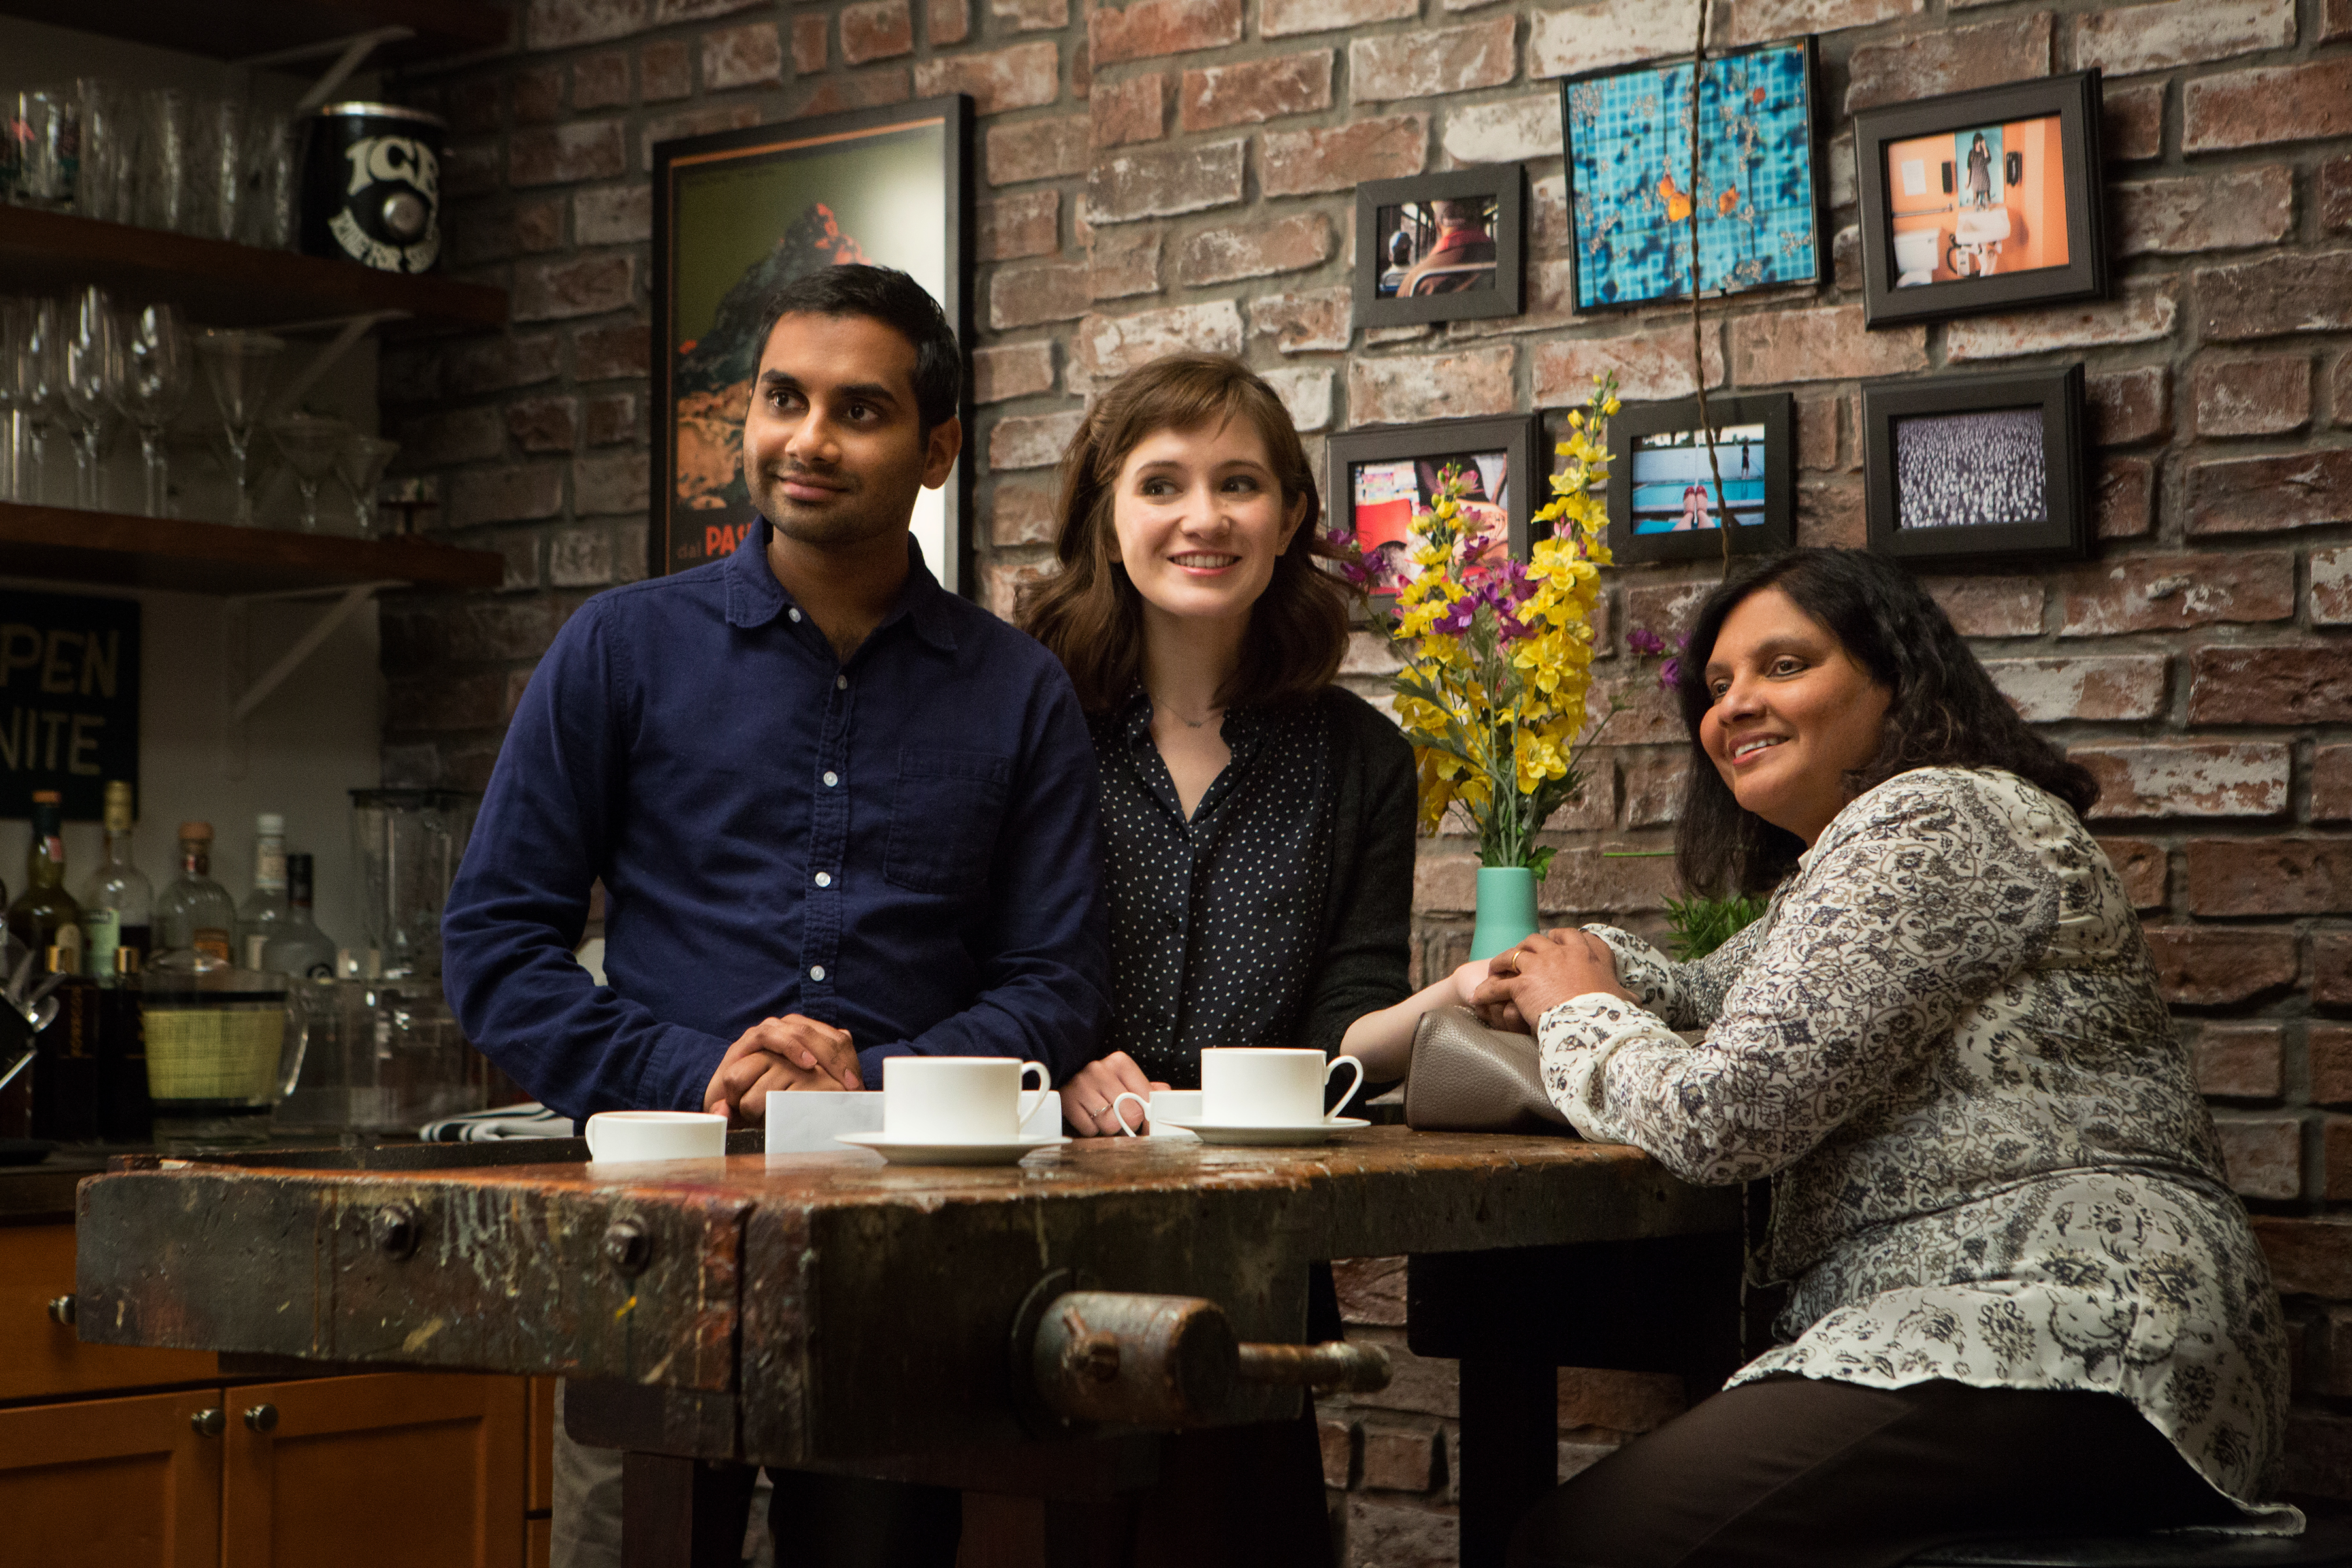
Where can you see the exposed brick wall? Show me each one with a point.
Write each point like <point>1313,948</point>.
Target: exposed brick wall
<point>1180,172</point>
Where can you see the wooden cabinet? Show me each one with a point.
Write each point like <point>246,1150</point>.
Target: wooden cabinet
<point>40,1357</point>
<point>385,1470</point>
<point>112,1483</point>
<point>375,1472</point>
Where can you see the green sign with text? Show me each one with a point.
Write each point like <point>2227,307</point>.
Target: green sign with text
<point>68,700</point>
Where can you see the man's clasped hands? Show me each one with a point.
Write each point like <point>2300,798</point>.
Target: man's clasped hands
<point>1507,991</point>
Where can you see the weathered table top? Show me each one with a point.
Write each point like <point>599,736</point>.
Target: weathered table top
<point>817,1306</point>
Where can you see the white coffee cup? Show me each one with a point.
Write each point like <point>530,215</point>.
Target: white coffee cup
<point>1167,1110</point>
<point>958,1100</point>
<point>656,1135</point>
<point>1252,1086</point>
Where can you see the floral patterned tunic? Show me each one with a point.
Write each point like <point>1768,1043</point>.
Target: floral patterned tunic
<point>1944,1042</point>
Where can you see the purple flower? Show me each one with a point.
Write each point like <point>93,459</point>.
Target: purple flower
<point>1669,673</point>
<point>1645,642</point>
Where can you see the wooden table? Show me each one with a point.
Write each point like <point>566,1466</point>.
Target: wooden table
<point>833,1312</point>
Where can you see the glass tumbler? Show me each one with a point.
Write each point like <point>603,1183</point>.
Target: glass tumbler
<point>45,125</point>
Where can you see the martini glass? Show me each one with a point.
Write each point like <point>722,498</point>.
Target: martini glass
<point>154,388</point>
<point>93,377</point>
<point>359,464</point>
<point>237,367</point>
<point>309,443</point>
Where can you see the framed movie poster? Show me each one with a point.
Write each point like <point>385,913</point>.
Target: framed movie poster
<point>1668,495</point>
<point>1976,467</point>
<point>1981,201</point>
<point>1440,248</point>
<point>1382,477</point>
<point>739,214</point>
<point>1756,203</point>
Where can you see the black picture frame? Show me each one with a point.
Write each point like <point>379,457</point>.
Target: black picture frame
<point>1776,412</point>
<point>2054,397</point>
<point>1517,437</point>
<point>715,199</point>
<point>1506,184</point>
<point>1595,289</point>
<point>2074,101</point>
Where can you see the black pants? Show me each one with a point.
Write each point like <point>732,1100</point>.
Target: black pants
<point>1812,1473</point>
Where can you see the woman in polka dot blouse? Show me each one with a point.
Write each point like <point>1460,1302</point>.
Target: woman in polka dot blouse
<point>1258,820</point>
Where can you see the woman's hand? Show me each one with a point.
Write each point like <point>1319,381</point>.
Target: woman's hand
<point>1087,1097</point>
<point>1467,978</point>
<point>1544,971</point>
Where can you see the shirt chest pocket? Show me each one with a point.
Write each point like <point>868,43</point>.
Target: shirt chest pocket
<point>945,809</point>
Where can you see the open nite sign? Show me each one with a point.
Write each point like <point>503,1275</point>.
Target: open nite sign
<point>68,700</point>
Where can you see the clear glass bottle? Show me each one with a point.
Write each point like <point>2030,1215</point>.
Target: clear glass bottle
<point>194,913</point>
<point>298,948</point>
<point>118,902</point>
<point>258,917</point>
<point>45,916</point>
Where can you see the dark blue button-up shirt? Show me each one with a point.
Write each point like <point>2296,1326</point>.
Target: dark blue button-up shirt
<point>903,847</point>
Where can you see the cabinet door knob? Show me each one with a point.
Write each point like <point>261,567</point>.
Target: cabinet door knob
<point>63,1308</point>
<point>262,1417</point>
<point>208,1423</point>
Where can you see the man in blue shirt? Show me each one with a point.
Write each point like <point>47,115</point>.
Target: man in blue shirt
<point>839,813</point>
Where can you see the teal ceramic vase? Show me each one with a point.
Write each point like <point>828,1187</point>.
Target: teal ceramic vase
<point>1506,909</point>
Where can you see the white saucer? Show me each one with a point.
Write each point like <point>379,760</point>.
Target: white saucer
<point>1312,1132</point>
<point>912,1152</point>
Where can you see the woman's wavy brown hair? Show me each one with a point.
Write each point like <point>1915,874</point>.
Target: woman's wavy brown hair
<point>1089,613</point>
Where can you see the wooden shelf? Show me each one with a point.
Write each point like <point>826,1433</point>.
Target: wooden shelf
<point>113,548</point>
<point>219,284</point>
<point>239,30</point>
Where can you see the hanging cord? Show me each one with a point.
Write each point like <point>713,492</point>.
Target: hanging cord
<point>1723,518</point>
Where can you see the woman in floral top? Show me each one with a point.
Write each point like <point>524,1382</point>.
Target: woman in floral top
<point>2023,1297</point>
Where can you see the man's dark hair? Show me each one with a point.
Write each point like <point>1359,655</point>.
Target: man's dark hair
<point>886,295</point>
<point>1944,710</point>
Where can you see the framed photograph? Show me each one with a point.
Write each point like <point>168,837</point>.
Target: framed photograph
<point>1663,500</point>
<point>741,212</point>
<point>1981,201</point>
<point>1757,197</point>
<point>1441,247</point>
<point>1976,467</point>
<point>1379,478</point>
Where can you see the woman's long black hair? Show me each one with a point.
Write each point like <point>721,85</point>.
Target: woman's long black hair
<point>1945,711</point>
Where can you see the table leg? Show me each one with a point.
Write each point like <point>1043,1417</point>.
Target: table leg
<point>682,1513</point>
<point>1510,1450</point>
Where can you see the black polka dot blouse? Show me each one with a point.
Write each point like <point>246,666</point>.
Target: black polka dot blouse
<point>1280,913</point>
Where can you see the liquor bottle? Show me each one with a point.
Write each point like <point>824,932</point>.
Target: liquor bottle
<point>45,916</point>
<point>124,1116</point>
<point>194,913</point>
<point>118,902</point>
<point>66,1084</point>
<point>299,948</point>
<point>258,918</point>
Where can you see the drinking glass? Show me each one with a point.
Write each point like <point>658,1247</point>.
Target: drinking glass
<point>223,142</point>
<point>359,463</point>
<point>46,124</point>
<point>93,376</point>
<point>168,169</point>
<point>43,386</point>
<point>153,390</point>
<point>12,399</point>
<point>265,218</point>
<point>236,367</point>
<point>309,442</point>
<point>109,152</point>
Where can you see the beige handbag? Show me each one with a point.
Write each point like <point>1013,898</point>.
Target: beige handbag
<point>1467,1077</point>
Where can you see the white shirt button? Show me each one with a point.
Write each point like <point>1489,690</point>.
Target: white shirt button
<point>832,779</point>
<point>795,613</point>
<point>841,682</point>
<point>825,879</point>
<point>816,972</point>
